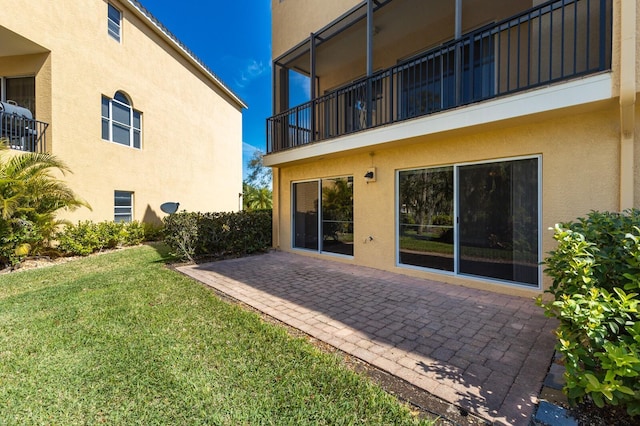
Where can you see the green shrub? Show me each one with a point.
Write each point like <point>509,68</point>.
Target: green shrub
<point>153,232</point>
<point>596,281</point>
<point>18,238</point>
<point>132,233</point>
<point>192,235</point>
<point>181,234</point>
<point>80,240</point>
<point>88,237</point>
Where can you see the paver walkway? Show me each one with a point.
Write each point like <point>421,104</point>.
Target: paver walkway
<point>485,352</point>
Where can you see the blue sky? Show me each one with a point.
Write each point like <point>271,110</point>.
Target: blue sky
<point>234,39</point>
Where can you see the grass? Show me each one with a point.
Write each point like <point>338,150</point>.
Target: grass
<point>424,245</point>
<point>120,339</point>
<point>411,241</point>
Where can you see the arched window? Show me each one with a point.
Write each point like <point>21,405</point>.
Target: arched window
<point>120,122</point>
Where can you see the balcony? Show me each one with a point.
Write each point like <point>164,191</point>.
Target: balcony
<point>551,43</point>
<point>22,133</point>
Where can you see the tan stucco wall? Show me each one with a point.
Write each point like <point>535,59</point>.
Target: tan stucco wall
<point>192,130</point>
<point>293,20</point>
<point>580,168</point>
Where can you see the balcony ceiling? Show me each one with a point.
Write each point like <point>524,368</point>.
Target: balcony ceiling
<point>13,44</point>
<point>432,21</point>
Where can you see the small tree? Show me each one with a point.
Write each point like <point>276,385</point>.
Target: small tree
<point>256,188</point>
<point>256,198</point>
<point>30,197</point>
<point>259,175</point>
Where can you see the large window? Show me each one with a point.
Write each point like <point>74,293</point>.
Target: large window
<point>473,219</point>
<point>114,20</point>
<point>120,122</point>
<point>323,215</point>
<point>123,206</point>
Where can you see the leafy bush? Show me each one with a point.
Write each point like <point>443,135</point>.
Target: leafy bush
<point>153,232</point>
<point>596,281</point>
<point>88,237</point>
<point>192,235</point>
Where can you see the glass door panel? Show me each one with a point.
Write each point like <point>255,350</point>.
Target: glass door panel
<point>426,228</point>
<point>337,215</point>
<point>305,215</point>
<point>498,220</point>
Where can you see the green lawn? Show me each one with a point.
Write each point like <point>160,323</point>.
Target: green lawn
<point>425,245</point>
<point>119,339</point>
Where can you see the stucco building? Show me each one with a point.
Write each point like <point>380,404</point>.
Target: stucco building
<point>137,117</point>
<point>442,139</point>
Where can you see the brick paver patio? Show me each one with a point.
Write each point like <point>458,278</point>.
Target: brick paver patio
<point>485,352</point>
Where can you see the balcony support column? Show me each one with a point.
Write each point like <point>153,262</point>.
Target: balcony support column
<point>627,70</point>
<point>457,34</point>
<point>312,65</point>
<point>458,24</point>
<point>370,29</point>
<point>312,85</point>
<point>369,38</point>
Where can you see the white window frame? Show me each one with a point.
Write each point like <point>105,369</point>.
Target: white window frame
<point>114,29</point>
<point>456,214</point>
<point>111,122</point>
<point>128,214</point>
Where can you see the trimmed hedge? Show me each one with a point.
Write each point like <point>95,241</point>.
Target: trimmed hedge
<point>596,281</point>
<point>193,235</point>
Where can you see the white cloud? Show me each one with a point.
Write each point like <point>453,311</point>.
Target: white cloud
<point>248,149</point>
<point>251,70</point>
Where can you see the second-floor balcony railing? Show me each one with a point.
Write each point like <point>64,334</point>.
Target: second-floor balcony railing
<point>22,133</point>
<point>555,41</point>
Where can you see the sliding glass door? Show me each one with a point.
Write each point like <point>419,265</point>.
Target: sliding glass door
<point>323,215</point>
<point>472,219</point>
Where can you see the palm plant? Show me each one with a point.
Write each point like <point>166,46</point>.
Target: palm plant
<point>255,198</point>
<point>30,197</point>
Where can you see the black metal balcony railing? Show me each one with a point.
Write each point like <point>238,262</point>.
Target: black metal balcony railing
<point>21,133</point>
<point>555,41</point>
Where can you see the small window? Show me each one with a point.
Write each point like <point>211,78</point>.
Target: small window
<point>123,206</point>
<point>114,19</point>
<point>120,122</point>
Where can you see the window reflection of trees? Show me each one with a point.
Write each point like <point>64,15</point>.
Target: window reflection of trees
<point>337,215</point>
<point>426,218</point>
<point>496,234</point>
<point>499,220</point>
